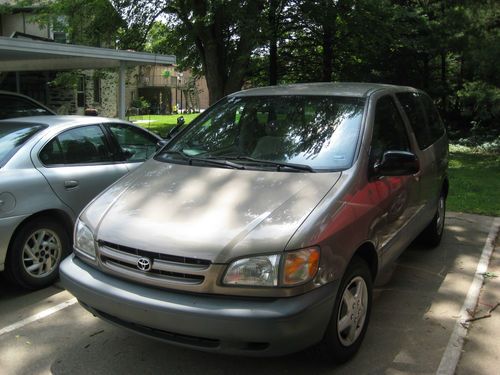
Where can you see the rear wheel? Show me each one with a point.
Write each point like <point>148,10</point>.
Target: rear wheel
<point>350,315</point>
<point>36,252</point>
<point>432,234</point>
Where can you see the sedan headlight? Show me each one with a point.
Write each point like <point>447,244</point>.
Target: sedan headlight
<point>285,269</point>
<point>84,239</point>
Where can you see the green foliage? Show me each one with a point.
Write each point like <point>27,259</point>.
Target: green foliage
<point>88,22</point>
<point>448,48</point>
<point>67,80</point>
<point>480,105</point>
<point>141,103</point>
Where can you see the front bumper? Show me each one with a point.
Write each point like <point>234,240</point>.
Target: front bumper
<point>233,325</point>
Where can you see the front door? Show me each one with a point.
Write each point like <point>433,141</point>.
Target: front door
<point>396,196</point>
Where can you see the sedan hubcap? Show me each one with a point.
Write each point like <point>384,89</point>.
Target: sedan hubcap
<point>41,253</point>
<point>352,311</point>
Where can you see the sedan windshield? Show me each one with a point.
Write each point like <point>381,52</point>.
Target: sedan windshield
<point>300,133</point>
<point>13,136</point>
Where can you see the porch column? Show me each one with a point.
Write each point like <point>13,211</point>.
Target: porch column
<point>121,91</point>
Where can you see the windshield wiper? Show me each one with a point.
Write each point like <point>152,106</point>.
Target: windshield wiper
<point>190,160</point>
<point>277,164</point>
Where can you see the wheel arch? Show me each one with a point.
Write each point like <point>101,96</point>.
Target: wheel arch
<point>60,216</point>
<point>367,252</point>
<point>446,186</point>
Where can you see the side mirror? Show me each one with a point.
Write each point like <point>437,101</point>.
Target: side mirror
<point>176,128</point>
<point>397,163</point>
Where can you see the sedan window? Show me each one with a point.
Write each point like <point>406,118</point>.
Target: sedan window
<point>14,106</point>
<point>135,144</point>
<point>84,145</point>
<point>13,136</point>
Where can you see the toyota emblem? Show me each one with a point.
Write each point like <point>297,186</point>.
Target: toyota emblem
<point>144,264</point>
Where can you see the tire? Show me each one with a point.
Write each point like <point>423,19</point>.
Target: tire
<point>432,234</point>
<point>341,344</point>
<point>36,252</point>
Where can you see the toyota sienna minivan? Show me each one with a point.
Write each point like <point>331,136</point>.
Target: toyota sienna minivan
<point>261,227</point>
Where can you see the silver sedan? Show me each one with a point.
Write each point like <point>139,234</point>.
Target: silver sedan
<point>50,168</point>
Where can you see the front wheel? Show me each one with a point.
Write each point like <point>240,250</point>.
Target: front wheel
<point>36,252</point>
<point>350,315</point>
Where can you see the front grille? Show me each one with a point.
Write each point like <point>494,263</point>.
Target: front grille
<point>155,255</point>
<point>165,270</point>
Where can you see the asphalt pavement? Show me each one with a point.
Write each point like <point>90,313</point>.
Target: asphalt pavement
<point>415,313</point>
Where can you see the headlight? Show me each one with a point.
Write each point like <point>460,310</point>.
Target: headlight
<point>255,271</point>
<point>296,267</point>
<point>84,239</point>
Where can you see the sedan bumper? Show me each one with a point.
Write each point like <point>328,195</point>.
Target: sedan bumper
<point>249,326</point>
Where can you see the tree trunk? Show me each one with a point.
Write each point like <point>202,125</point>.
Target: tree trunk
<point>273,43</point>
<point>327,51</point>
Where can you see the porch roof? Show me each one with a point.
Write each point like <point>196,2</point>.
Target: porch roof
<point>17,55</point>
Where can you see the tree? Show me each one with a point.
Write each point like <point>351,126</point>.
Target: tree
<point>225,32</point>
<point>89,22</point>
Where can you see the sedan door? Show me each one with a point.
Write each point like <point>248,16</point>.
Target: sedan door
<point>78,164</point>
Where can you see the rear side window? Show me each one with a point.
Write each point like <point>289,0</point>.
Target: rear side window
<point>416,115</point>
<point>84,145</point>
<point>389,132</point>
<point>13,136</point>
<point>14,106</point>
<point>423,116</point>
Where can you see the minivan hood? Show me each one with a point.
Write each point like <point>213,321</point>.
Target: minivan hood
<point>208,213</point>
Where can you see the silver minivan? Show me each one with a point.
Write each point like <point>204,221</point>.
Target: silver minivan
<point>262,226</point>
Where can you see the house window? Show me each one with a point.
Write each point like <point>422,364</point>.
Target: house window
<point>97,90</point>
<point>80,92</point>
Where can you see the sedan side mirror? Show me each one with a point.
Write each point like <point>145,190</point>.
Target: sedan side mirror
<point>397,163</point>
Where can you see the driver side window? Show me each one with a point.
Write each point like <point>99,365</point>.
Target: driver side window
<point>389,132</point>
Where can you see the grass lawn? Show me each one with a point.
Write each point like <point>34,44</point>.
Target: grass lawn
<point>160,124</point>
<point>474,182</point>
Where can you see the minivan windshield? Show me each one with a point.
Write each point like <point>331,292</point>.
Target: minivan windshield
<point>13,136</point>
<point>308,133</point>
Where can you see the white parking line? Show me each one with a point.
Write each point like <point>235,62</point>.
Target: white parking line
<point>451,356</point>
<point>38,316</point>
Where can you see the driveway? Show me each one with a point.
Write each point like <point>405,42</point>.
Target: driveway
<point>413,317</point>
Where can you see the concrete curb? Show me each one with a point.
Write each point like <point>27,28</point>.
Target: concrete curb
<point>453,351</point>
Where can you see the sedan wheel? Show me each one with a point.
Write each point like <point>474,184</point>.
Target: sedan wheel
<point>35,253</point>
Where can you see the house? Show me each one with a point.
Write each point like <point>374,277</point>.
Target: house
<point>107,81</point>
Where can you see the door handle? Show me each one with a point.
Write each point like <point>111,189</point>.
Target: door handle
<point>70,184</point>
